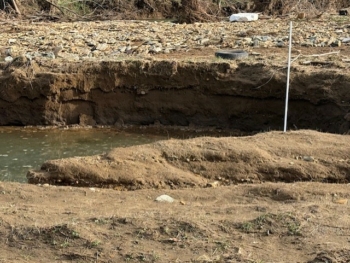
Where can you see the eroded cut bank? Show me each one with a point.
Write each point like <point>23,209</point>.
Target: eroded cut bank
<point>232,95</point>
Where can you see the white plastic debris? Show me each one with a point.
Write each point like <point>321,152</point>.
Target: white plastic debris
<point>241,17</point>
<point>165,198</point>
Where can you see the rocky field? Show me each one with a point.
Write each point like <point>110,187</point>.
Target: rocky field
<point>109,40</point>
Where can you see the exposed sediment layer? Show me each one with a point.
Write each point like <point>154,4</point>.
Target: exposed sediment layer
<point>244,95</point>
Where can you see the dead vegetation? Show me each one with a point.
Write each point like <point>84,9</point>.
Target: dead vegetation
<point>183,11</point>
<point>282,7</point>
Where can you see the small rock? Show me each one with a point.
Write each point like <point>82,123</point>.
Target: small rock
<point>256,43</point>
<point>46,185</point>
<point>8,59</point>
<point>336,43</point>
<point>341,201</point>
<point>49,55</point>
<point>122,49</point>
<point>102,47</point>
<point>280,44</point>
<point>156,49</point>
<point>330,41</point>
<point>203,41</point>
<point>165,198</point>
<point>307,62</point>
<point>307,44</point>
<point>111,41</point>
<point>308,158</point>
<point>346,40</point>
<point>213,184</point>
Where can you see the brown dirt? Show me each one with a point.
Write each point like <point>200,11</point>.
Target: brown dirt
<point>232,200</point>
<point>200,162</point>
<point>270,222</point>
<point>221,222</point>
<point>246,95</point>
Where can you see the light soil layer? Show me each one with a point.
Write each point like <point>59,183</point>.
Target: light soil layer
<point>207,161</point>
<point>271,222</point>
<point>246,95</point>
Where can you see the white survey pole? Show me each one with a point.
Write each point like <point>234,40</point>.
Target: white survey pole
<point>288,75</point>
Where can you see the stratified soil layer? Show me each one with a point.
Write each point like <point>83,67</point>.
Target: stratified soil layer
<point>146,73</point>
<point>218,94</point>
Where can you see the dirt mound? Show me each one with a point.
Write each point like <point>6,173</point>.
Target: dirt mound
<point>199,162</point>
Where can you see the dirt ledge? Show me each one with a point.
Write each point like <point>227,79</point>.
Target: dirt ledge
<point>207,162</point>
<point>247,96</point>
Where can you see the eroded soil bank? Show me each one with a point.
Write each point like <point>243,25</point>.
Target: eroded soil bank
<point>246,95</point>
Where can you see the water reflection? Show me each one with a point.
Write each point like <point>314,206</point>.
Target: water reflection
<point>22,149</point>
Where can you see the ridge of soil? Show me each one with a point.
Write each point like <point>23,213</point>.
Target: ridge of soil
<point>204,161</point>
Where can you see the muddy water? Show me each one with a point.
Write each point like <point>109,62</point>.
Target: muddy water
<point>22,149</point>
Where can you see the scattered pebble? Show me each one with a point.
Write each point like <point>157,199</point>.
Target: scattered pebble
<point>92,40</point>
<point>308,158</point>
<point>165,198</point>
<point>341,201</point>
<point>213,184</point>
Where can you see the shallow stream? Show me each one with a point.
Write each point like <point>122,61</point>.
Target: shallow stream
<point>22,149</point>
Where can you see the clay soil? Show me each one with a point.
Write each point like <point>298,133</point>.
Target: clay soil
<point>272,197</point>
